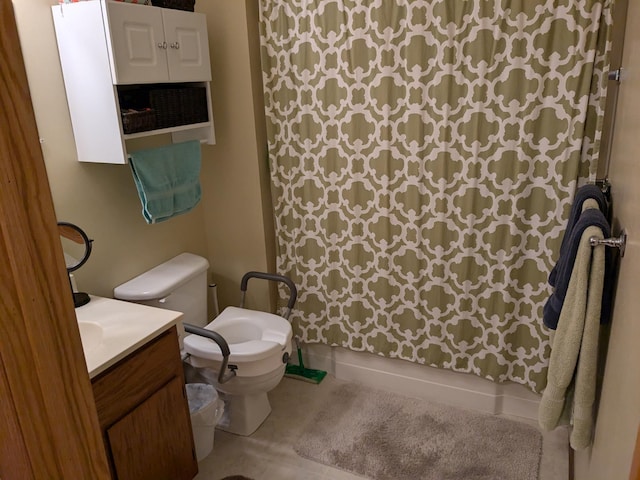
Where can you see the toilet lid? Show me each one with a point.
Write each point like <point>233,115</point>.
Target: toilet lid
<point>251,335</point>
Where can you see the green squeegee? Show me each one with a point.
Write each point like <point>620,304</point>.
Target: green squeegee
<point>301,372</point>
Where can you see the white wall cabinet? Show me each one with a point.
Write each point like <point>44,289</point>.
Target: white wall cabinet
<point>156,45</point>
<point>107,48</point>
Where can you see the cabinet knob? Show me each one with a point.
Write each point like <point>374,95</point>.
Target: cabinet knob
<point>175,45</point>
<point>162,45</point>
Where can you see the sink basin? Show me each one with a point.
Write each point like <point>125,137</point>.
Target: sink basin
<point>112,329</point>
<point>90,334</point>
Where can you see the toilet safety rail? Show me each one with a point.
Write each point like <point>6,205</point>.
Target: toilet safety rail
<point>293,291</point>
<point>223,375</point>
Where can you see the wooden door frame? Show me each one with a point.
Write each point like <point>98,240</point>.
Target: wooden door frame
<point>634,474</point>
<point>48,416</point>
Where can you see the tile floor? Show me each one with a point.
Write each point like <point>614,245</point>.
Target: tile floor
<point>268,453</point>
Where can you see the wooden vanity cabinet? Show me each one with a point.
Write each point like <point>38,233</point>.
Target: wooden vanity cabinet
<point>144,414</point>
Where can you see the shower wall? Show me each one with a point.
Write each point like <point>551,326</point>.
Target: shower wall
<point>618,400</point>
<point>433,384</point>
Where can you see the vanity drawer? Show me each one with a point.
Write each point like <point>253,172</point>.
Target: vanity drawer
<point>128,383</point>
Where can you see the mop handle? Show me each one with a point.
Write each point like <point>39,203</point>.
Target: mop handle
<point>300,362</point>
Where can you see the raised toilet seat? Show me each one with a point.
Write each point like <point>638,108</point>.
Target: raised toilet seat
<point>259,343</point>
<point>244,354</point>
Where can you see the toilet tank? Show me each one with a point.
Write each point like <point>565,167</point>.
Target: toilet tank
<point>178,284</point>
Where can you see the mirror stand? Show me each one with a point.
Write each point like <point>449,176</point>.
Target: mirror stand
<point>80,299</point>
<point>76,242</point>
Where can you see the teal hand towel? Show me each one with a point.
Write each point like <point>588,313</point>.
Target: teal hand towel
<point>167,179</point>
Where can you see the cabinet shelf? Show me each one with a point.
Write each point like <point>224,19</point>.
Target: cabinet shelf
<point>161,131</point>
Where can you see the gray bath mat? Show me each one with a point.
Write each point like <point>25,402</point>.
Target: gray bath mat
<point>383,436</point>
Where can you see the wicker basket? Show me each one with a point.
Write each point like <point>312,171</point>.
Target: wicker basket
<point>188,5</point>
<point>194,105</point>
<point>138,121</point>
<point>179,106</point>
<point>166,103</point>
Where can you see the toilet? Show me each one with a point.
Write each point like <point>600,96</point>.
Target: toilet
<point>259,343</point>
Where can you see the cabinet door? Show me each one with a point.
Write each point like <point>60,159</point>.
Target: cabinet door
<point>154,441</point>
<point>138,45</point>
<point>188,52</point>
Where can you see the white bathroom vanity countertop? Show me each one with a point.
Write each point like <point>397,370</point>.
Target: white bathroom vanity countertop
<point>112,329</point>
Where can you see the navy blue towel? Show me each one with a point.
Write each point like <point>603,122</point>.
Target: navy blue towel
<point>585,192</point>
<point>564,267</point>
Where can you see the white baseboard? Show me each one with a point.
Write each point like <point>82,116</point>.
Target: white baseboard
<point>419,381</point>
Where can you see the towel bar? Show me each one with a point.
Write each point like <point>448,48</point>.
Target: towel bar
<point>604,185</point>
<point>619,242</point>
<point>201,140</point>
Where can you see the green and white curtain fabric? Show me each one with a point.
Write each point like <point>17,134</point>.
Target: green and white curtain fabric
<point>424,155</point>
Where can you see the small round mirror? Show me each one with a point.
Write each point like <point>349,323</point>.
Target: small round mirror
<point>76,247</point>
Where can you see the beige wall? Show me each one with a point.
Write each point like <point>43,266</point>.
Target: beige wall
<point>619,408</point>
<point>238,230</point>
<point>229,224</point>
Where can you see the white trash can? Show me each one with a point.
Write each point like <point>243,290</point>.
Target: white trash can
<point>206,409</point>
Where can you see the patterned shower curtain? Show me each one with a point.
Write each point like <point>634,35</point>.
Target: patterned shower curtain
<point>424,155</point>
